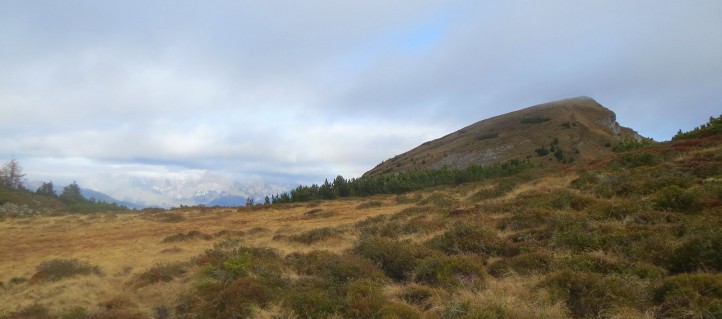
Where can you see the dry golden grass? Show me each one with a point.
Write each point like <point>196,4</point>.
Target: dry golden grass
<point>123,245</point>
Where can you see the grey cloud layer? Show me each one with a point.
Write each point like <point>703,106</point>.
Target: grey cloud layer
<point>325,87</point>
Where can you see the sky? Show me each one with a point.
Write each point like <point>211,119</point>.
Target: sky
<point>298,91</point>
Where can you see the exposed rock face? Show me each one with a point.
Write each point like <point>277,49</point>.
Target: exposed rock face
<point>556,132</point>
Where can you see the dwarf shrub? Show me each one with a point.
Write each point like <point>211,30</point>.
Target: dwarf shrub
<point>57,269</point>
<point>696,295</point>
<point>397,259</point>
<point>701,252</point>
<point>591,294</point>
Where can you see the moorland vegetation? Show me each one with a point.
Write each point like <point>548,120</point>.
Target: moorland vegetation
<point>635,235</point>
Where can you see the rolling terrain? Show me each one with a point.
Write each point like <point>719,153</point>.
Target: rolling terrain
<point>636,233</point>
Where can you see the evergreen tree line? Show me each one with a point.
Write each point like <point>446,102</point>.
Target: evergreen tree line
<point>399,183</point>
<point>11,176</point>
<point>712,127</point>
<point>75,200</point>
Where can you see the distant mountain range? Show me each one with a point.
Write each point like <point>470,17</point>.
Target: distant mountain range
<point>206,189</point>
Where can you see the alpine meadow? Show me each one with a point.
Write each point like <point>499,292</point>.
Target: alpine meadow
<point>553,211</point>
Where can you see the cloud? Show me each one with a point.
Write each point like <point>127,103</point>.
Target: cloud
<point>307,90</point>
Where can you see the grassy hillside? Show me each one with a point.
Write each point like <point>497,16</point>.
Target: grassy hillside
<point>637,234</point>
<point>548,134</point>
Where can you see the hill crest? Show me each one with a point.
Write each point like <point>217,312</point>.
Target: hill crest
<point>556,132</point>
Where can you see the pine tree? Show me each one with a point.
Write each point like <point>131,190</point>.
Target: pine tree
<point>47,189</point>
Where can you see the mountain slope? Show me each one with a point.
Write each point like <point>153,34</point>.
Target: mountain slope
<point>560,131</point>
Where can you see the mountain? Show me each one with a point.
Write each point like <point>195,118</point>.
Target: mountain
<point>560,131</point>
<point>102,197</point>
<point>204,188</point>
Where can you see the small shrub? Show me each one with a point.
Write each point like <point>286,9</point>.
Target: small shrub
<point>578,238</point>
<point>677,199</point>
<point>501,189</point>
<point>438,200</point>
<point>160,272</point>
<point>696,295</point>
<point>370,204</point>
<point>535,120</point>
<point>542,151</point>
<point>35,311</point>
<point>632,160</point>
<point>75,313</point>
<point>398,310</point>
<point>465,238</point>
<point>525,264</point>
<point>163,217</point>
<point>487,136</point>
<point>364,299</point>
<point>451,271</point>
<point>592,263</point>
<point>591,294</point>
<point>405,199</point>
<point>57,269</point>
<point>527,219</point>
<point>417,295</point>
<point>566,200</point>
<point>333,267</point>
<point>239,299</point>
<point>258,230</point>
<point>18,280</point>
<point>194,234</point>
<point>701,252</point>
<point>314,235</point>
<point>318,213</point>
<point>312,297</point>
<point>630,144</point>
<point>397,259</point>
<point>172,250</point>
<point>421,224</point>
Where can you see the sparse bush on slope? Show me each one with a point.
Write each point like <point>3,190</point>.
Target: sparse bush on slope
<point>57,269</point>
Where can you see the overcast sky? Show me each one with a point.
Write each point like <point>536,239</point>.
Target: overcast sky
<point>297,91</point>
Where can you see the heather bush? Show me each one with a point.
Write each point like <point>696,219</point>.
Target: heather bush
<point>438,200</point>
<point>159,215</point>
<point>678,199</point>
<point>370,204</point>
<point>57,269</point>
<point>314,235</point>
<point>318,213</point>
<point>526,219</point>
<point>364,299</point>
<point>160,272</point>
<point>591,294</point>
<point>697,295</point>
<point>418,295</point>
<point>312,297</point>
<point>524,264</point>
<point>502,188</point>
<point>397,259</point>
<point>34,311</point>
<point>700,252</point>
<point>398,310</point>
<point>451,271</point>
<point>194,234</point>
<point>466,238</point>
<point>637,159</point>
<point>333,267</point>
